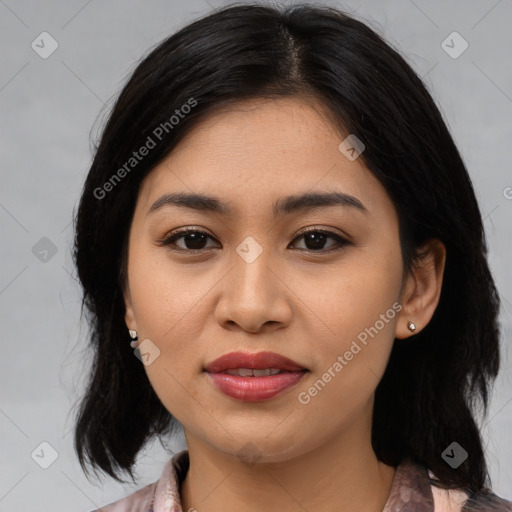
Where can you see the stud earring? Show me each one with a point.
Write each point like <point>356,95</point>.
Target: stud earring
<point>411,326</point>
<point>134,337</point>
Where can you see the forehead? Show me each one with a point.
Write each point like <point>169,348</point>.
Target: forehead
<point>255,151</point>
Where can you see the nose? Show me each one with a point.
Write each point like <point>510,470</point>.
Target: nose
<point>253,297</point>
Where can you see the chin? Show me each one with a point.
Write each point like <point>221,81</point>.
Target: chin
<point>261,448</point>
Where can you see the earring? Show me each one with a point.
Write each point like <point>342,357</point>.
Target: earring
<point>134,337</point>
<point>411,326</point>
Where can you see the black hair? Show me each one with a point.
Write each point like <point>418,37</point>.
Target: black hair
<point>435,382</point>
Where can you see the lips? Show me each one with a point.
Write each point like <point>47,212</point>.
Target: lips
<point>254,377</point>
<point>259,361</point>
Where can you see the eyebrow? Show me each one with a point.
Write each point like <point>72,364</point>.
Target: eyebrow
<point>282,207</point>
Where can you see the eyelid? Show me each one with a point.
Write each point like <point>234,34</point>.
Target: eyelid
<point>173,235</point>
<point>324,230</point>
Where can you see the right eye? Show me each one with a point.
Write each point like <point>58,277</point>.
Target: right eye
<point>192,240</point>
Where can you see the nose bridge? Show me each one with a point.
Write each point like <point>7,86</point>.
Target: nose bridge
<point>252,295</point>
<point>251,271</point>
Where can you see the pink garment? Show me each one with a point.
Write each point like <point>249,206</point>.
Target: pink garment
<point>410,492</point>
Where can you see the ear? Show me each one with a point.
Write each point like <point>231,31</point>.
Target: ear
<point>422,289</point>
<point>129,316</point>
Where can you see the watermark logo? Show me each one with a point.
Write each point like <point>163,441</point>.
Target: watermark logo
<point>305,397</point>
<point>44,45</point>
<point>454,455</point>
<point>147,352</point>
<point>44,455</point>
<point>44,250</point>
<point>151,142</point>
<point>351,147</point>
<point>454,45</point>
<point>249,454</point>
<point>249,249</point>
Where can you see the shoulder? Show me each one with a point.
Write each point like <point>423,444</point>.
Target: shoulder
<point>486,501</point>
<point>162,493</point>
<point>459,501</point>
<point>414,490</point>
<point>139,501</point>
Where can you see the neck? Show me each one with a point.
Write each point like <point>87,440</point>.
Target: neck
<point>341,474</point>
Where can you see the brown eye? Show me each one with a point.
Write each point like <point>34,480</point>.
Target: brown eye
<point>191,240</point>
<point>316,239</point>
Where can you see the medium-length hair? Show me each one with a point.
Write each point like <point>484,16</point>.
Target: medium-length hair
<point>435,382</point>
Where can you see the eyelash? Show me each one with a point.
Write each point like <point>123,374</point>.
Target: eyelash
<point>169,240</point>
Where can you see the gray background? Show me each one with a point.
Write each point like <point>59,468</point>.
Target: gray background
<point>50,107</point>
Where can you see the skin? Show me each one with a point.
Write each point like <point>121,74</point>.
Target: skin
<point>306,304</point>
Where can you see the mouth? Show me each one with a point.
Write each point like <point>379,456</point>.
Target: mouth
<point>254,377</point>
<point>261,361</point>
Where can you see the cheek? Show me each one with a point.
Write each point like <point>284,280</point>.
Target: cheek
<point>360,308</point>
<point>166,296</point>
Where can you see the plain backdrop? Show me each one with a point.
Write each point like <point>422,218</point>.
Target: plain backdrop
<point>50,107</point>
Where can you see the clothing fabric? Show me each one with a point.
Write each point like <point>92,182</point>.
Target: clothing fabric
<point>411,491</point>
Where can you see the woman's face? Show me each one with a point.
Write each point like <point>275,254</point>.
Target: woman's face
<point>254,282</point>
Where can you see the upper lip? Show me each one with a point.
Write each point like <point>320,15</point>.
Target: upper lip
<point>258,361</point>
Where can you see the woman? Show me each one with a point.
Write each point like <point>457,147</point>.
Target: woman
<point>279,220</point>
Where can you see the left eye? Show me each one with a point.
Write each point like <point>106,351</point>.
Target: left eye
<point>316,239</point>
<point>195,240</point>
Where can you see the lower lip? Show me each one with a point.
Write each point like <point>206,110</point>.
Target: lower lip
<point>255,389</point>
